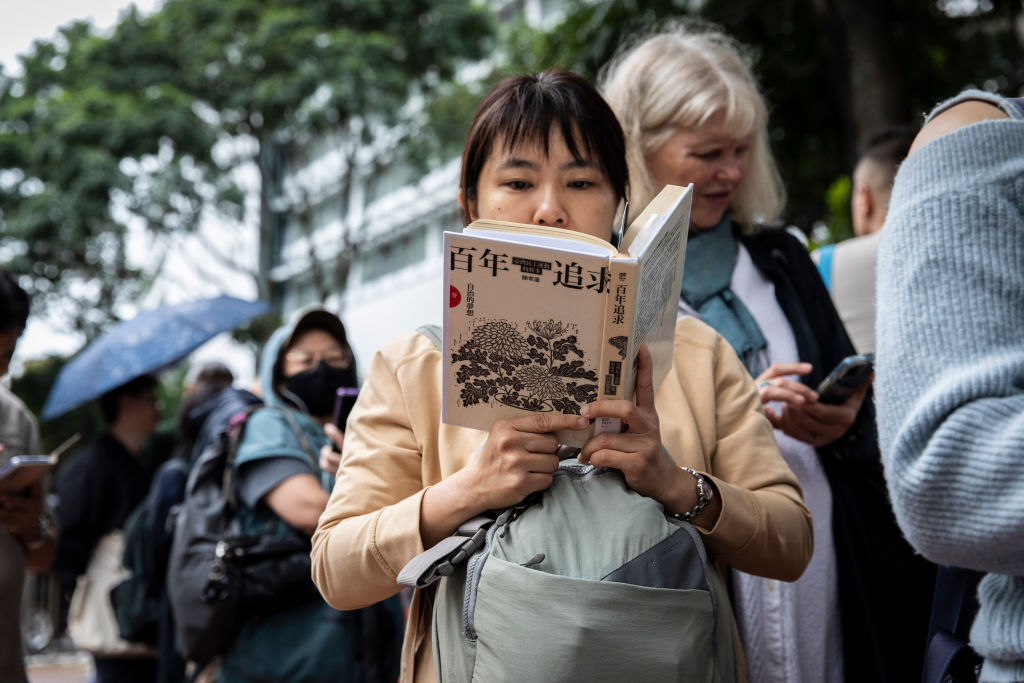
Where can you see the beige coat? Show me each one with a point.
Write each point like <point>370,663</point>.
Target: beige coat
<point>396,447</point>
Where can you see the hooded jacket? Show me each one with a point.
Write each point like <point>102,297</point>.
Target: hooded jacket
<point>269,432</point>
<point>307,641</point>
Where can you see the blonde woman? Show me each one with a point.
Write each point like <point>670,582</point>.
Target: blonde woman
<point>692,112</point>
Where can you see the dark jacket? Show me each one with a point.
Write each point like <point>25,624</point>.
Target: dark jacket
<point>885,589</point>
<point>97,490</point>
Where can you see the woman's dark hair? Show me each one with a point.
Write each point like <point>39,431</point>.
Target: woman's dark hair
<point>523,109</point>
<point>13,303</point>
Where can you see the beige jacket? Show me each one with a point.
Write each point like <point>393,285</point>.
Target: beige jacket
<point>396,447</point>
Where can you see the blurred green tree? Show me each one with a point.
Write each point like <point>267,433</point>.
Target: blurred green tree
<point>144,130</point>
<point>833,71</point>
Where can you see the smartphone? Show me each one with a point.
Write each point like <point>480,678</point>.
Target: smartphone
<point>846,378</point>
<point>21,471</point>
<point>344,399</point>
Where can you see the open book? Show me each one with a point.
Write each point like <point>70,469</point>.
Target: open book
<point>543,319</point>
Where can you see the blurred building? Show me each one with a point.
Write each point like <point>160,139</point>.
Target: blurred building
<point>377,250</point>
<point>373,223</point>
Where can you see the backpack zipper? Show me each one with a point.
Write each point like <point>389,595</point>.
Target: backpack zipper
<point>475,566</point>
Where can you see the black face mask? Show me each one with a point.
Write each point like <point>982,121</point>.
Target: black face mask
<point>317,387</point>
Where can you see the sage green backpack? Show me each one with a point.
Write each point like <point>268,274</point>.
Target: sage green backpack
<point>586,581</point>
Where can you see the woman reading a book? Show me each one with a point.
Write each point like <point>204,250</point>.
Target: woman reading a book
<point>692,112</point>
<point>547,150</point>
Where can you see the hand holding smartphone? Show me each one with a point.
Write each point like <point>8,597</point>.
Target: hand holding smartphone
<point>847,377</point>
<point>344,399</point>
<point>21,471</point>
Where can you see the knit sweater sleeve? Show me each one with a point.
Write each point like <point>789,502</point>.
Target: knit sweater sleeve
<point>950,368</point>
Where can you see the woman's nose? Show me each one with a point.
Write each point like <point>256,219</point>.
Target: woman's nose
<point>731,169</point>
<point>551,211</point>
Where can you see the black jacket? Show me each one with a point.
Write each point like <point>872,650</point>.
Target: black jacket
<point>96,491</point>
<point>885,588</point>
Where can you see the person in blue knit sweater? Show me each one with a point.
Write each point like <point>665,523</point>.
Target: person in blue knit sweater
<point>950,368</point>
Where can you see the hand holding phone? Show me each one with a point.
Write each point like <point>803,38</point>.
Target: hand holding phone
<point>21,471</point>
<point>344,399</point>
<point>848,376</point>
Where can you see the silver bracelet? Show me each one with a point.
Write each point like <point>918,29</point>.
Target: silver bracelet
<point>704,495</point>
<point>44,526</point>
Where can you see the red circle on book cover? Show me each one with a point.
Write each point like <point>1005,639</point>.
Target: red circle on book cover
<point>454,297</point>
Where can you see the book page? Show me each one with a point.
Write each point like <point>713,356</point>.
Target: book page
<point>645,226</point>
<point>541,234</point>
<point>542,240</point>
<point>660,249</point>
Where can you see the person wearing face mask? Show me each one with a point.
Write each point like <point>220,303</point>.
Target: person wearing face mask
<point>285,466</point>
<point>692,111</point>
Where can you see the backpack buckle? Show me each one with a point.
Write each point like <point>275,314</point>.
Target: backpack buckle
<point>442,559</point>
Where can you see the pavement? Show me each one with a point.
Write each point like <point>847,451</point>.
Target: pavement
<point>70,667</point>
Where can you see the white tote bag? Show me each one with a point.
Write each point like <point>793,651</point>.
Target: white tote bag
<point>91,621</point>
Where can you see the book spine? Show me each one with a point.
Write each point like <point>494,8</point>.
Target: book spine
<point>617,352</point>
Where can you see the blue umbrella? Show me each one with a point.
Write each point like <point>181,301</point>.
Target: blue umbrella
<point>151,341</point>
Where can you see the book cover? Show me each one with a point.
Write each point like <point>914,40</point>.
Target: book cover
<point>543,319</point>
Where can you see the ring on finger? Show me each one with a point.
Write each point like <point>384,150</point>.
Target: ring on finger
<point>766,383</point>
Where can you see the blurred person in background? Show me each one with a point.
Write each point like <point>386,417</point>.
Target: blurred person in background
<point>98,489</point>
<point>209,402</point>
<point>213,400</point>
<point>285,467</point>
<point>848,268</point>
<point>27,537</point>
<point>693,113</point>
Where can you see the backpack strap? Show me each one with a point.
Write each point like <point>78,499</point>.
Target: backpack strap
<point>297,428</point>
<point>442,559</point>
<point>953,609</point>
<point>431,332</point>
<point>237,430</point>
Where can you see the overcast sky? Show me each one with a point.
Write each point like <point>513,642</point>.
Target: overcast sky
<point>40,19</point>
<point>35,19</point>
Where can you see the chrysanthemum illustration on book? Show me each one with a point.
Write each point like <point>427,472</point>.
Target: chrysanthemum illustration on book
<point>540,369</point>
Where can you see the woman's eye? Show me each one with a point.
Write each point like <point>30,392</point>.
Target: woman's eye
<point>581,184</point>
<point>711,154</point>
<point>517,184</point>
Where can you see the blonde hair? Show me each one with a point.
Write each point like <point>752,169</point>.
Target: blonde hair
<point>682,77</point>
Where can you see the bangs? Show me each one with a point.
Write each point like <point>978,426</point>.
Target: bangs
<point>528,121</point>
<point>521,111</point>
<point>742,110</point>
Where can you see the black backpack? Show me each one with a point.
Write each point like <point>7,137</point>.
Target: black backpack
<point>136,600</point>
<point>218,574</point>
<point>949,657</point>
